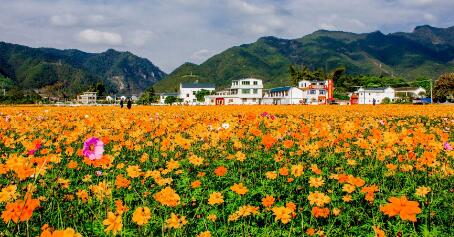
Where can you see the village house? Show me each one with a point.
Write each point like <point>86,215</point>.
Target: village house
<point>283,95</point>
<point>246,91</point>
<point>188,91</point>
<point>368,95</point>
<point>316,92</point>
<point>87,98</point>
<point>410,92</point>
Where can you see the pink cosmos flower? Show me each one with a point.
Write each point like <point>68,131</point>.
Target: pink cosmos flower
<point>98,173</point>
<point>93,148</point>
<point>447,146</point>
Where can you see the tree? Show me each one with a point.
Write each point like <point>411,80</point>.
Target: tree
<point>200,95</point>
<point>148,96</point>
<point>294,75</point>
<point>170,100</point>
<point>386,100</point>
<point>444,87</point>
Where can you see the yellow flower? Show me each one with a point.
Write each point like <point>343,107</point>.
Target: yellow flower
<point>272,175</point>
<point>316,182</point>
<point>215,198</point>
<point>239,189</point>
<point>113,223</point>
<point>141,215</point>
<point>283,214</point>
<point>176,221</point>
<point>134,171</point>
<point>318,198</point>
<point>167,197</point>
<point>195,160</point>
<point>297,170</point>
<point>204,234</point>
<point>422,191</point>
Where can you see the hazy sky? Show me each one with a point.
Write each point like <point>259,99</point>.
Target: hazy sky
<point>171,32</point>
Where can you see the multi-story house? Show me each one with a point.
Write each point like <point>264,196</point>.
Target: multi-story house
<point>243,91</point>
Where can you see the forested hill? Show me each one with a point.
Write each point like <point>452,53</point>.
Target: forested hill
<point>56,72</point>
<point>425,52</point>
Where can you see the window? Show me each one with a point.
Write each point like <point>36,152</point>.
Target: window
<point>187,95</point>
<point>256,82</point>
<point>244,100</point>
<point>254,100</point>
<point>193,92</point>
<point>230,100</point>
<point>312,92</point>
<point>322,92</point>
<point>246,91</point>
<point>245,83</point>
<point>255,91</point>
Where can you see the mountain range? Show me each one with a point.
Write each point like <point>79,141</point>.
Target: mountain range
<point>425,52</point>
<point>54,72</point>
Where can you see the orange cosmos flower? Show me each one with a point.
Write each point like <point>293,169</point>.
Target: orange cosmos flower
<point>134,171</point>
<point>196,184</point>
<point>318,198</point>
<point>406,209</point>
<point>316,182</point>
<point>8,193</point>
<point>122,182</point>
<point>167,197</point>
<point>268,201</point>
<point>176,221</point>
<point>272,175</point>
<point>141,215</point>
<point>283,171</point>
<point>195,160</point>
<point>288,144</point>
<point>68,232</point>
<point>113,223</point>
<point>422,191</point>
<point>220,171</point>
<point>212,217</point>
<point>315,169</point>
<point>268,141</point>
<point>348,188</point>
<point>204,234</point>
<point>239,189</point>
<point>320,212</point>
<point>282,214</point>
<point>215,198</point>
<point>20,210</point>
<point>297,170</point>
<point>120,207</point>
<point>82,195</point>
<point>378,232</point>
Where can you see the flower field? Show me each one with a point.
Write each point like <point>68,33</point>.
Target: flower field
<point>227,171</point>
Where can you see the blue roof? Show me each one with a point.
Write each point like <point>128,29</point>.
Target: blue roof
<point>279,89</point>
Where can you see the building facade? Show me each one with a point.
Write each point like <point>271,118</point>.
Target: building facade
<point>368,95</point>
<point>188,91</point>
<point>87,98</point>
<point>247,91</point>
<point>163,96</point>
<point>283,95</point>
<point>316,92</point>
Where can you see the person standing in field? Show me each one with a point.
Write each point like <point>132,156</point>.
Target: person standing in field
<point>373,101</point>
<point>121,103</point>
<point>129,105</point>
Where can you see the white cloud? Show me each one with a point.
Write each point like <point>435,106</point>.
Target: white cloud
<point>99,37</point>
<point>142,37</point>
<point>201,55</point>
<point>327,26</point>
<point>64,20</point>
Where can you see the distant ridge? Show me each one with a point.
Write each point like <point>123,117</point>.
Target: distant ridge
<point>425,52</point>
<point>70,71</point>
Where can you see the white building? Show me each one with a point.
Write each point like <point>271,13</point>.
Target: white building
<point>189,90</point>
<point>283,95</point>
<point>368,95</point>
<point>87,98</point>
<point>410,92</point>
<point>314,92</point>
<point>247,91</point>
